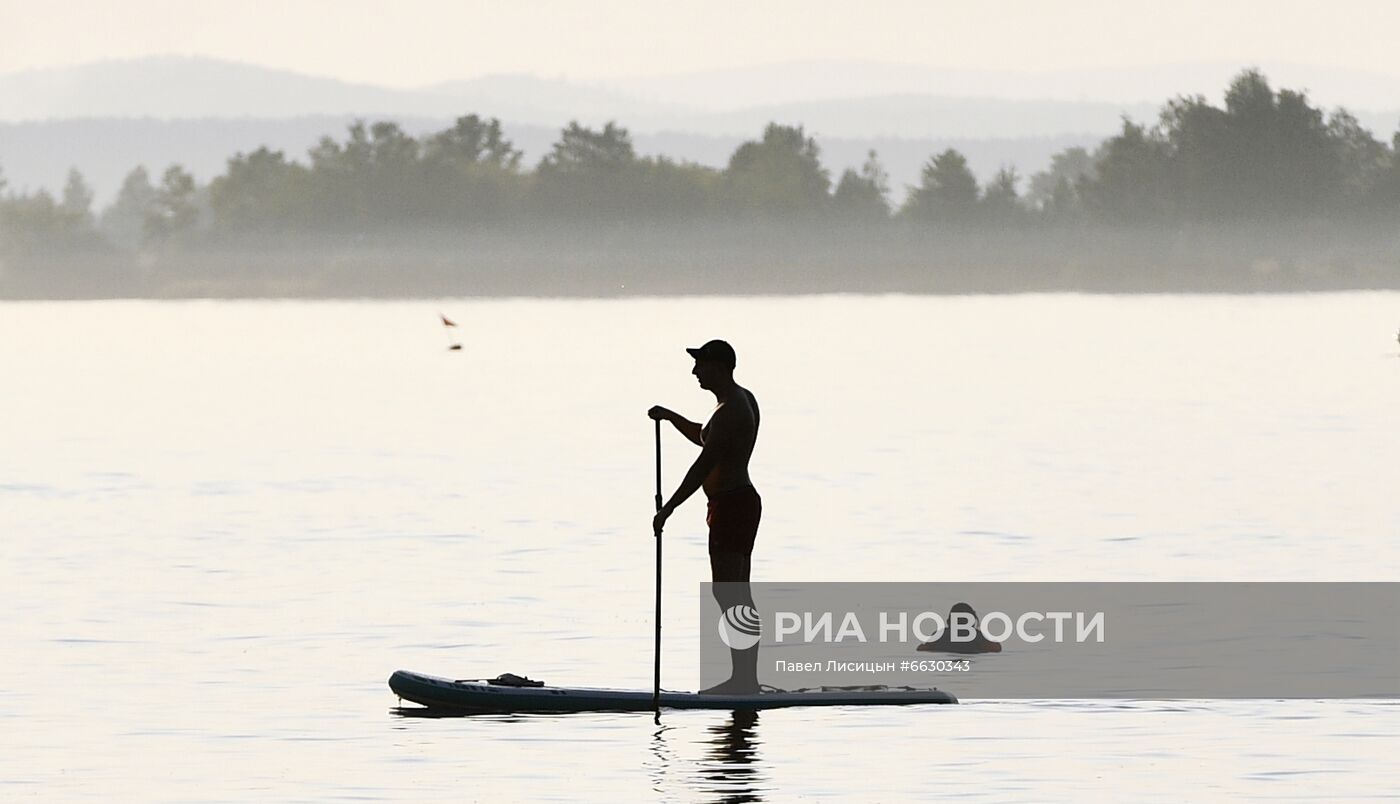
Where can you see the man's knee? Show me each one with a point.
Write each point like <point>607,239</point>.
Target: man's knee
<point>731,580</point>
<point>729,567</point>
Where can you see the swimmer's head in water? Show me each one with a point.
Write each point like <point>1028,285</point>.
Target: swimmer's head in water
<point>963,609</point>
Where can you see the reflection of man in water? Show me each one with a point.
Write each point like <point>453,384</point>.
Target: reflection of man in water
<point>722,470</point>
<point>731,772</point>
<point>961,616</point>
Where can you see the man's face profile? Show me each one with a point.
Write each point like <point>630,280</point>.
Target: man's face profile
<point>706,371</point>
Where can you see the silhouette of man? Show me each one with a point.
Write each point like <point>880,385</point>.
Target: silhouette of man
<point>726,442</point>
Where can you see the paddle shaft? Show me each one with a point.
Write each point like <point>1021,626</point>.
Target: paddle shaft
<point>656,652</point>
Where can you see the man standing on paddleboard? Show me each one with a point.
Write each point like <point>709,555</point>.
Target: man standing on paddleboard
<point>726,442</point>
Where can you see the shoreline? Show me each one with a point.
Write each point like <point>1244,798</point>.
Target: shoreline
<point>729,261</point>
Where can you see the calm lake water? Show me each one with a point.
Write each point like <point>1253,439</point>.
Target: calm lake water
<point>226,523</point>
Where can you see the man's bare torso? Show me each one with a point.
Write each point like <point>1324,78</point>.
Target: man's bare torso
<point>737,421</point>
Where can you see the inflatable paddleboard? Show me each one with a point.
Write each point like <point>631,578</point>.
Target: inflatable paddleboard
<point>482,696</point>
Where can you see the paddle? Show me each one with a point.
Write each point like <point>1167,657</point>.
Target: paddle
<point>656,653</point>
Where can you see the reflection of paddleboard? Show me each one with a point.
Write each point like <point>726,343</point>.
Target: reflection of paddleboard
<point>481,696</point>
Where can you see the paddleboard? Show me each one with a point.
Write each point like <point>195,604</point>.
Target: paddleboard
<point>479,696</point>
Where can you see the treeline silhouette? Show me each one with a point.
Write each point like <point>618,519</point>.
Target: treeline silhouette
<point>1266,158</point>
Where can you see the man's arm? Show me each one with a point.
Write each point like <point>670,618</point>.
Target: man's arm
<point>691,430</point>
<point>710,454</point>
<point>695,478</point>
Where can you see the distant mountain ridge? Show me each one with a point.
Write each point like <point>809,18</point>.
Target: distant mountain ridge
<point>804,81</point>
<point>194,88</point>
<point>830,98</point>
<point>180,87</point>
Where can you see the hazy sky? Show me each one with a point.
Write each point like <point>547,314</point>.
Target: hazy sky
<point>410,42</point>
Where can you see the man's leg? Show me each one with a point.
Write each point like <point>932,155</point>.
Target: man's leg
<point>730,573</point>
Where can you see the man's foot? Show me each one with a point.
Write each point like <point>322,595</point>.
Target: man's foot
<point>732,687</point>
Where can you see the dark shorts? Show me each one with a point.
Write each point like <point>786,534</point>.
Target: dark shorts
<point>733,519</point>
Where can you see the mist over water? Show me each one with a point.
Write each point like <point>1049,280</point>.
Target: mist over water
<point>228,522</point>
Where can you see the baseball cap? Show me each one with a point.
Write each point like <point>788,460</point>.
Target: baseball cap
<point>715,351</point>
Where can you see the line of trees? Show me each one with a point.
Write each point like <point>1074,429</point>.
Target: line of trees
<point>1266,156</point>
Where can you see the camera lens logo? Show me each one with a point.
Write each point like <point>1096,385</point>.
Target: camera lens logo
<point>739,627</point>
